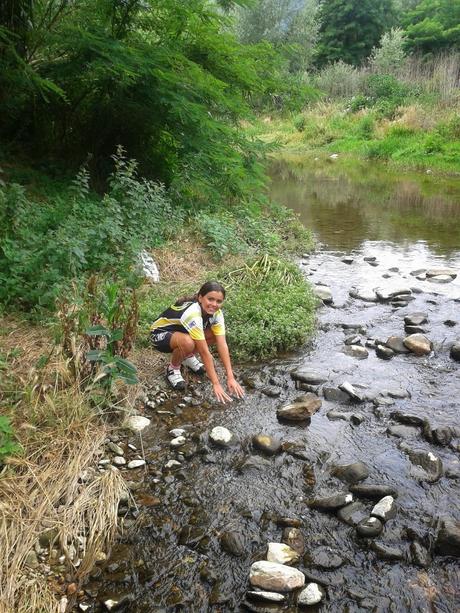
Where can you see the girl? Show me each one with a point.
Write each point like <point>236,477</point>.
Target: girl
<point>191,325</point>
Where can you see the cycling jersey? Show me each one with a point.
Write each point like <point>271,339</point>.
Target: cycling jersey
<point>188,317</point>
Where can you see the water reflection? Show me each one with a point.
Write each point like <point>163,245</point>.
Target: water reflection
<point>348,205</point>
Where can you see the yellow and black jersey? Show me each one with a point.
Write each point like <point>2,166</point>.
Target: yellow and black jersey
<point>188,317</point>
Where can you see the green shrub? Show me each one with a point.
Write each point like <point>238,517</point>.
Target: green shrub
<point>365,127</point>
<point>269,309</point>
<point>433,143</point>
<point>7,444</point>
<point>299,122</point>
<point>45,244</point>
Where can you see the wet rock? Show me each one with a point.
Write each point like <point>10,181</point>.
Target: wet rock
<point>265,596</point>
<point>414,330</point>
<point>300,411</point>
<point>353,340</point>
<point>408,419</point>
<point>260,607</point>
<point>136,423</point>
<point>403,431</point>
<point>448,537</point>
<point>373,492</point>
<point>324,293</point>
<point>351,473</point>
<point>442,435</point>
<point>295,539</point>
<point>271,391</point>
<point>351,391</point>
<point>357,418</point>
<point>384,353</point>
<point>233,542</point>
<point>179,441</point>
<point>397,392</point>
<point>450,323</point>
<point>288,522</point>
<point>335,414</point>
<point>254,463</point>
<point>266,443</point>
<point>440,279</point>
<point>330,503</point>
<point>221,436</point>
<point>419,271</point>
<point>324,557</point>
<point>418,344</point>
<point>282,553</point>
<point>275,577</point>
<point>396,344</point>
<point>420,556</point>
<point>363,294</point>
<point>177,432</point>
<point>356,351</point>
<point>309,476</point>
<point>172,464</point>
<point>415,319</point>
<point>455,351</point>
<point>385,509</point>
<point>347,260</point>
<point>425,465</point>
<point>370,258</point>
<point>309,375</point>
<point>369,527</point>
<point>383,402</point>
<point>386,295</point>
<point>352,513</point>
<point>436,272</point>
<point>119,460</point>
<point>334,394</point>
<point>310,595</point>
<point>385,552</point>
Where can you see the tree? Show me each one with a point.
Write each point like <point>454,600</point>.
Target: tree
<point>291,26</point>
<point>351,28</point>
<point>433,26</point>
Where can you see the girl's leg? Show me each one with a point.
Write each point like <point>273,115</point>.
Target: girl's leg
<point>182,345</point>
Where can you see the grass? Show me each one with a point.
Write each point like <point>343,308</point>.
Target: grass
<point>419,136</point>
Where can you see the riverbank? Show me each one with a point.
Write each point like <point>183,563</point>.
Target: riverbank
<point>65,475</point>
<point>418,137</point>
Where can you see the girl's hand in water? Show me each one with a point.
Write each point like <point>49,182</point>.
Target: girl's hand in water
<point>235,388</point>
<point>221,395</point>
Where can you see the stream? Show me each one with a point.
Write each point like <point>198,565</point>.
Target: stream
<point>200,522</point>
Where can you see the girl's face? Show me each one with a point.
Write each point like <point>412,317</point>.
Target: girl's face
<point>211,302</point>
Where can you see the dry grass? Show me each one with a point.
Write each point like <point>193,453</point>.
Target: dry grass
<point>41,488</point>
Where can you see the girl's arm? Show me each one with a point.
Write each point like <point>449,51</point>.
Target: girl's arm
<point>224,354</point>
<point>208,362</point>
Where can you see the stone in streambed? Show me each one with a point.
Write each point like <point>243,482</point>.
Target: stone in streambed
<point>384,353</point>
<point>408,419</point>
<point>351,473</point>
<point>352,513</point>
<point>369,527</point>
<point>356,351</point>
<point>385,509</point>
<point>455,351</point>
<point>363,294</point>
<point>136,423</point>
<point>324,557</point>
<point>396,344</point>
<point>425,465</point>
<point>310,595</point>
<point>266,444</point>
<point>330,503</point>
<point>295,539</point>
<point>436,272</point>
<point>351,391</point>
<point>324,293</point>
<point>418,344</point>
<point>282,553</point>
<point>309,375</point>
<point>373,492</point>
<point>265,596</point>
<point>221,436</point>
<point>420,556</point>
<point>385,552</point>
<point>300,410</point>
<point>448,538</point>
<point>415,319</point>
<point>335,394</point>
<point>232,542</point>
<point>275,577</point>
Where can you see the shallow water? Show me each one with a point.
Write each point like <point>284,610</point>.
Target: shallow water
<point>405,222</point>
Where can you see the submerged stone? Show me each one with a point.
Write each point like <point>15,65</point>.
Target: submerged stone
<point>275,577</point>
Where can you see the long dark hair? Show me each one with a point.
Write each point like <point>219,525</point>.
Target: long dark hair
<point>209,286</point>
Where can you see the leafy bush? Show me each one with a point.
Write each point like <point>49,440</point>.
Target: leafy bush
<point>339,80</point>
<point>74,233</point>
<point>7,445</point>
<point>365,127</point>
<point>390,55</point>
<point>270,308</point>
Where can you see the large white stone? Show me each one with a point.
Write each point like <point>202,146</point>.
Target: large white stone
<point>281,553</point>
<point>221,436</point>
<point>385,509</point>
<point>275,577</point>
<point>324,293</point>
<point>136,464</point>
<point>437,272</point>
<point>310,595</point>
<point>149,267</point>
<point>137,423</point>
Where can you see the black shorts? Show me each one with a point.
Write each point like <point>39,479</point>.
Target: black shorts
<point>161,340</point>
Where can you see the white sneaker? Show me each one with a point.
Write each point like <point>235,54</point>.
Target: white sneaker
<point>194,364</point>
<point>174,378</point>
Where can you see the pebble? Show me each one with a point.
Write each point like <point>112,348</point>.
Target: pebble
<point>136,464</point>
<point>310,595</point>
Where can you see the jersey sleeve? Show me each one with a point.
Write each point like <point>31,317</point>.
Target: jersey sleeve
<point>192,321</point>
<point>218,324</point>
